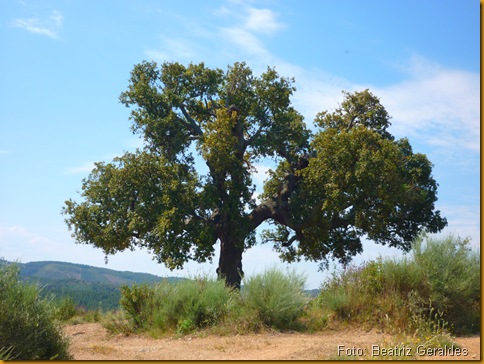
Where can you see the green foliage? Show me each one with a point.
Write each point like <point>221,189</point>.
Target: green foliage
<point>435,290</point>
<point>278,299</point>
<point>181,307</point>
<point>193,304</point>
<point>271,299</point>
<point>452,271</point>
<point>85,295</point>
<point>66,309</point>
<point>27,322</point>
<point>348,179</point>
<point>137,302</point>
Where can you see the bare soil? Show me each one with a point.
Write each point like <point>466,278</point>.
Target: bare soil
<point>92,342</point>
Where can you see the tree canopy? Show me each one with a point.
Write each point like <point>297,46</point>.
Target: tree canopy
<point>345,180</point>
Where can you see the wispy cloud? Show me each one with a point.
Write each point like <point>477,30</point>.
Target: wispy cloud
<point>262,21</point>
<point>438,105</point>
<point>86,167</point>
<point>49,27</point>
<point>247,25</point>
<point>435,105</point>
<point>243,34</point>
<point>464,221</point>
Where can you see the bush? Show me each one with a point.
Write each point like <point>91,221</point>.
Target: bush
<point>191,304</point>
<point>136,301</point>
<point>270,299</point>
<point>278,299</point>
<point>66,309</point>
<point>438,285</point>
<point>182,307</point>
<point>27,322</point>
<point>452,272</point>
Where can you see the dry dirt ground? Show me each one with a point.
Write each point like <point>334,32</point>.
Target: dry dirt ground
<point>92,342</point>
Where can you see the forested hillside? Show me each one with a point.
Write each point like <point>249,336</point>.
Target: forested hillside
<point>89,287</point>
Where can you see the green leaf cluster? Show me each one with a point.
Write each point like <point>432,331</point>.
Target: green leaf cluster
<point>346,180</point>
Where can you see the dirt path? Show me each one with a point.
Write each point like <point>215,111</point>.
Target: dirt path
<point>92,342</point>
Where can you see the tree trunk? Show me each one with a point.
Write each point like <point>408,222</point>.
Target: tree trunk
<point>230,262</point>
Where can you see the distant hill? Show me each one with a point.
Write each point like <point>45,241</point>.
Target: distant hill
<point>55,271</point>
<point>89,287</point>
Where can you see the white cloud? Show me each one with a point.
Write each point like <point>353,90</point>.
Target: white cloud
<point>86,167</point>
<point>4,152</point>
<point>243,40</point>
<point>246,23</point>
<point>49,27</point>
<point>262,21</point>
<point>18,240</point>
<point>438,105</point>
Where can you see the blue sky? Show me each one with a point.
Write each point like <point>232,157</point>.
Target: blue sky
<point>64,64</point>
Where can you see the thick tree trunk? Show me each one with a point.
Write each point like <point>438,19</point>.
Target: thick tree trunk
<point>230,262</point>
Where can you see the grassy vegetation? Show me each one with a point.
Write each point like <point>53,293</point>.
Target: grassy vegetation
<point>272,299</point>
<point>436,288</point>
<point>27,323</point>
<point>421,300</point>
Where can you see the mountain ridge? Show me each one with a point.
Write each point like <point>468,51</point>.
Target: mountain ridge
<point>57,270</point>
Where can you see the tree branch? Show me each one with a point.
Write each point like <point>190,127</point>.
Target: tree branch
<point>192,123</point>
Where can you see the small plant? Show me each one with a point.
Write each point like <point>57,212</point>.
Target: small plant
<point>116,322</point>
<point>453,274</point>
<point>136,302</point>
<point>185,326</point>
<point>66,309</point>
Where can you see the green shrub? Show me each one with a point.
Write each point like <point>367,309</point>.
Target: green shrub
<point>270,299</point>
<point>27,322</point>
<point>181,307</point>
<point>116,322</point>
<point>278,299</point>
<point>453,274</point>
<point>66,309</point>
<point>136,301</point>
<point>438,282</point>
<point>191,304</point>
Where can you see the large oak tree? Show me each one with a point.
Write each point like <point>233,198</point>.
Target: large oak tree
<point>346,180</point>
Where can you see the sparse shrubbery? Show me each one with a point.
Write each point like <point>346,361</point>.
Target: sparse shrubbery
<point>432,292</point>
<point>181,307</point>
<point>438,285</point>
<point>278,299</point>
<point>271,299</point>
<point>27,323</point>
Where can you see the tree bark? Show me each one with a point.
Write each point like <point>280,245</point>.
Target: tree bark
<point>230,261</point>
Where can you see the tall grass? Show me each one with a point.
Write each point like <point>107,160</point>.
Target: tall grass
<point>271,299</point>
<point>28,329</point>
<point>436,286</point>
<point>452,271</point>
<point>181,307</point>
<point>276,298</point>
<point>430,292</point>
